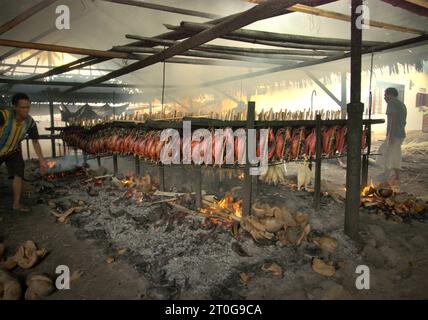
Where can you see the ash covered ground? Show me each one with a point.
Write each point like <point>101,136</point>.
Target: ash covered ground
<point>171,254</point>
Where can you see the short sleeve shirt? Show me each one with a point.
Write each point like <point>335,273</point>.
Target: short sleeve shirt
<point>398,108</point>
<point>13,132</point>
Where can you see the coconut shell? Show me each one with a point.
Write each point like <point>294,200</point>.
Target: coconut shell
<point>40,285</point>
<point>322,268</point>
<point>10,289</point>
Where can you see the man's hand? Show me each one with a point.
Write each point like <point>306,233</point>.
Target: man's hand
<point>43,167</point>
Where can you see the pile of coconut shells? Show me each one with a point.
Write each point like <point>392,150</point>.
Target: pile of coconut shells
<point>267,224</point>
<point>38,286</point>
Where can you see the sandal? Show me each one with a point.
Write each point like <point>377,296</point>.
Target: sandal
<point>21,209</point>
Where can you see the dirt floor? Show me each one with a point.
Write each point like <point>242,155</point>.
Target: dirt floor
<point>171,255</point>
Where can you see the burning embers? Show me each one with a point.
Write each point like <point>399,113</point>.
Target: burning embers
<point>389,201</point>
<point>56,170</point>
<point>227,209</point>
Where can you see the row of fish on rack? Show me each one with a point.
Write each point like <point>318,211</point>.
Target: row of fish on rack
<point>287,144</point>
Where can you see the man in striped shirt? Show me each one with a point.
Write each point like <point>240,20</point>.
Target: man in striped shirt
<point>15,125</point>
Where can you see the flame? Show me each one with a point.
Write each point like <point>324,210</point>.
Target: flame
<point>241,176</point>
<point>368,190</point>
<point>51,164</point>
<point>228,203</point>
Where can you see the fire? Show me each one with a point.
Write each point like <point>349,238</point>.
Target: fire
<point>51,164</point>
<point>241,176</point>
<point>228,203</point>
<point>368,190</point>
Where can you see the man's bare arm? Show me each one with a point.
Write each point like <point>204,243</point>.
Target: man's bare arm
<point>38,150</point>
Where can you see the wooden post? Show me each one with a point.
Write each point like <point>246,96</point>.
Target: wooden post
<point>137,166</point>
<point>343,89</point>
<point>355,124</point>
<point>115,167</point>
<point>99,161</point>
<point>51,111</point>
<point>27,142</point>
<point>198,187</point>
<point>75,156</point>
<point>161,178</point>
<point>318,154</point>
<point>64,149</point>
<point>85,159</point>
<point>248,179</point>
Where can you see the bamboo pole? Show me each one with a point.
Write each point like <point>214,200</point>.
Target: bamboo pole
<point>159,7</point>
<point>217,48</point>
<point>65,49</point>
<point>25,15</point>
<point>279,37</point>
<point>391,46</point>
<point>249,57</point>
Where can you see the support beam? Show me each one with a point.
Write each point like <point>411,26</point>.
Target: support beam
<point>64,83</point>
<point>25,15</point>
<point>175,35</point>
<point>355,124</point>
<point>51,112</point>
<point>65,49</point>
<point>259,12</point>
<point>318,153</point>
<point>159,7</point>
<point>421,3</point>
<point>343,90</point>
<point>323,87</point>
<point>344,17</point>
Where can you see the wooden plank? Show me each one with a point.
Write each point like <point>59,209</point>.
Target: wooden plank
<point>421,3</point>
<point>25,15</point>
<point>259,12</point>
